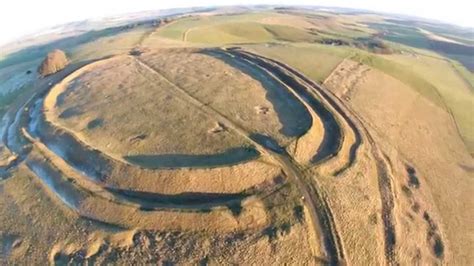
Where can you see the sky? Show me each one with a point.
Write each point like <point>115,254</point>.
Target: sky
<point>22,17</point>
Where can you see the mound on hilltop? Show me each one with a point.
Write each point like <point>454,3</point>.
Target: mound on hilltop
<point>55,61</point>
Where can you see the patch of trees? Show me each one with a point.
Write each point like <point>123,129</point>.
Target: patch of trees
<point>54,62</point>
<point>374,45</point>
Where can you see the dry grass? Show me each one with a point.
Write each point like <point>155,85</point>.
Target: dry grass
<point>95,106</point>
<point>355,202</point>
<point>55,61</point>
<point>230,179</point>
<point>457,93</point>
<point>404,120</point>
<point>234,90</point>
<point>29,214</point>
<point>287,20</point>
<point>135,110</point>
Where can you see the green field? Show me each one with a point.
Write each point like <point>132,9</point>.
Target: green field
<point>177,29</point>
<point>314,60</point>
<point>450,81</point>
<point>108,45</point>
<point>229,33</point>
<point>251,28</point>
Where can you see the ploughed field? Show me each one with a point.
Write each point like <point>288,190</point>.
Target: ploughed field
<point>183,147</point>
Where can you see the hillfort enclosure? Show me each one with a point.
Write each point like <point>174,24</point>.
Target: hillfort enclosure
<point>266,135</point>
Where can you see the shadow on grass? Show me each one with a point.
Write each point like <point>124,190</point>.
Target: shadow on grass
<point>267,142</point>
<point>229,157</point>
<point>185,198</point>
<point>332,132</point>
<point>95,123</point>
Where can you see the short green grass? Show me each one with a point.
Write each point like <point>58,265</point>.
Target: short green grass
<point>109,45</point>
<point>290,34</point>
<point>220,30</point>
<point>314,60</point>
<point>451,82</point>
<point>400,72</point>
<point>252,28</point>
<point>229,33</point>
<point>467,75</point>
<point>176,29</point>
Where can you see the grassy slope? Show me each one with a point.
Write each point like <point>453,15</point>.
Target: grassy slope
<point>400,72</point>
<point>220,30</point>
<point>290,34</point>
<point>455,91</point>
<point>314,60</point>
<point>110,45</point>
<point>251,28</point>
<point>464,73</point>
<point>177,29</point>
<point>247,32</point>
<point>226,33</point>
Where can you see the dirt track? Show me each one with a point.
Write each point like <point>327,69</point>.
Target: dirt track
<point>384,174</point>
